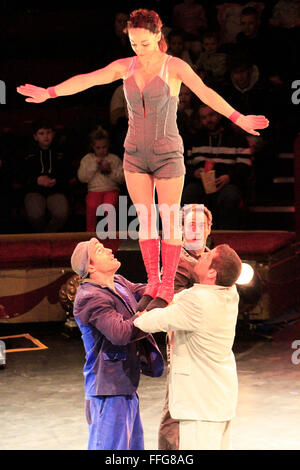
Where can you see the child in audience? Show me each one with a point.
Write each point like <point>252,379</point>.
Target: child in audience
<point>103,173</point>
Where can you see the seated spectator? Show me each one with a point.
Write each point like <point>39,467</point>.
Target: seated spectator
<point>254,41</point>
<point>103,173</point>
<point>285,14</point>
<point>46,180</point>
<point>294,41</point>
<point>213,62</point>
<point>284,36</point>
<point>2,92</point>
<point>190,17</point>
<point>118,106</point>
<point>177,47</point>
<point>219,147</point>
<point>246,89</point>
<point>186,115</point>
<point>115,45</point>
<point>6,181</point>
<point>118,117</point>
<point>228,17</point>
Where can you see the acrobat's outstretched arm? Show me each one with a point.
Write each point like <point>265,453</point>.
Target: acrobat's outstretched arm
<point>114,71</point>
<point>212,99</point>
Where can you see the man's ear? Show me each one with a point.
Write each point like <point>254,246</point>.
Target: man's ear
<point>92,269</point>
<point>212,274</point>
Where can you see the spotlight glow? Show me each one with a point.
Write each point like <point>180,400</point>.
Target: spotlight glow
<point>246,275</point>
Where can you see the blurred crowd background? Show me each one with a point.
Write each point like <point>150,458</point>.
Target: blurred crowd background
<point>247,51</point>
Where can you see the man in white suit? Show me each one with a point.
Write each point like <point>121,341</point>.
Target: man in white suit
<point>203,380</point>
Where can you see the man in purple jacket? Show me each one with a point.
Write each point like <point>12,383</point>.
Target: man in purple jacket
<point>116,350</point>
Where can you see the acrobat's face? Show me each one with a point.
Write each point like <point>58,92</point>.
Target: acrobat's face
<point>143,42</point>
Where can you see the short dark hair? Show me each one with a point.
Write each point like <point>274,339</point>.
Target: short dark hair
<point>240,60</point>
<point>247,11</point>
<point>211,34</point>
<point>174,33</point>
<point>227,264</point>
<point>41,123</point>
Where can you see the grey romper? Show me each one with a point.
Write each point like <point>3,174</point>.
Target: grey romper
<point>153,144</point>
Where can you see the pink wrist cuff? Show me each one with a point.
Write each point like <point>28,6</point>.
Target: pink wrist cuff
<point>51,91</point>
<point>234,116</point>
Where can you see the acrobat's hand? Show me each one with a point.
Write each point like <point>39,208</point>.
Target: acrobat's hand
<point>251,122</point>
<point>36,94</point>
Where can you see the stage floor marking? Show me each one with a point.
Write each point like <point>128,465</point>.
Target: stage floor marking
<point>35,341</point>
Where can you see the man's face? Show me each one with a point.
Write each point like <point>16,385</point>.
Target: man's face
<point>193,230</point>
<point>102,259</point>
<point>249,25</point>
<point>185,98</point>
<point>120,23</point>
<point>209,118</point>
<point>242,76</point>
<point>210,45</point>
<point>176,45</point>
<point>44,137</point>
<point>202,268</point>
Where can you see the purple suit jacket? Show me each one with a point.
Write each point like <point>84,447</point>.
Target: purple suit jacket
<point>116,351</point>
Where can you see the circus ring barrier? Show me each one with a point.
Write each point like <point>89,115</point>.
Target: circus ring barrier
<point>38,284</point>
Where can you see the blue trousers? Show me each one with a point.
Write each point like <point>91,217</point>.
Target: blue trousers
<point>114,423</point>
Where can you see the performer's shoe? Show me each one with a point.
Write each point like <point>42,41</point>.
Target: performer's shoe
<point>170,257</point>
<point>150,253</point>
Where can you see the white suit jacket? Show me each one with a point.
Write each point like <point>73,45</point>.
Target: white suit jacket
<point>203,380</point>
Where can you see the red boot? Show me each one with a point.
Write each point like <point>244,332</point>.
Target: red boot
<point>170,257</point>
<point>150,253</point>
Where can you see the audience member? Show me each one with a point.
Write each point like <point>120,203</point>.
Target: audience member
<point>6,181</point>
<point>118,108</point>
<point>228,16</point>
<point>186,115</point>
<point>177,46</point>
<point>103,173</point>
<point>247,90</point>
<point>116,45</point>
<point>211,60</point>
<point>118,118</point>
<point>190,17</point>
<point>285,13</point>
<point>250,39</point>
<point>46,181</point>
<point>219,147</point>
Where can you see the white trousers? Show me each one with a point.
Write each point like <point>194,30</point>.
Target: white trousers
<point>204,435</point>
